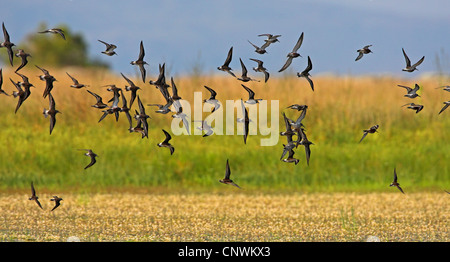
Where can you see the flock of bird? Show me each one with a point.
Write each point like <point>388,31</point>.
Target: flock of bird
<point>292,127</point>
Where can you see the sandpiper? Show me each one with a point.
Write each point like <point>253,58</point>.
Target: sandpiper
<point>49,79</point>
<point>413,106</point>
<point>179,114</point>
<point>205,127</point>
<point>175,95</point>
<point>141,116</point>
<point>371,130</point>
<point>57,202</point>
<point>305,73</point>
<point>226,65</point>
<point>306,143</point>
<point>298,107</point>
<point>251,96</point>
<point>51,112</point>
<point>412,92</point>
<point>166,143</point>
<point>260,50</point>
<point>21,94</point>
<point>270,38</point>
<point>212,99</point>
<point>92,155</point>
<point>131,87</point>
<point>246,121</point>
<point>99,104</point>
<point>34,196</point>
<point>447,104</point>
<point>395,183</point>
<point>7,44</point>
<point>125,109</point>
<point>160,83</point>
<point>58,31</point>
<point>76,84</point>
<point>226,179</point>
<point>293,54</point>
<point>363,51</point>
<point>409,67</point>
<point>288,127</point>
<point>244,77</point>
<point>23,57</point>
<point>163,109</point>
<point>290,158</point>
<point>140,61</point>
<point>109,49</point>
<point>261,68</point>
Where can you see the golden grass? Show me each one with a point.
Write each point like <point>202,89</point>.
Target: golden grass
<point>230,216</point>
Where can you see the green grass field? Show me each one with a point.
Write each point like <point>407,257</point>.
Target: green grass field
<point>417,145</point>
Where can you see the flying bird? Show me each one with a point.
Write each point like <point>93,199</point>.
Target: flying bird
<point>99,104</point>
<point>363,51</point>
<point>413,106</point>
<point>411,92</point>
<point>297,107</point>
<point>251,96</point>
<point>55,31</point>
<point>92,155</point>
<point>445,88</point>
<point>293,54</point>
<point>125,109</point>
<point>261,68</point>
<point>395,183</point>
<point>246,121</point>
<point>22,94</point>
<point>179,114</point>
<point>306,143</point>
<point>447,104</point>
<point>244,77</point>
<point>49,79</point>
<point>23,57</point>
<point>226,179</point>
<point>140,61</point>
<point>1,83</point>
<point>109,49</point>
<point>166,143</point>
<point>76,84</point>
<point>260,50</point>
<point>212,99</point>
<point>142,117</point>
<point>51,112</point>
<point>305,73</point>
<point>371,130</point>
<point>132,88</point>
<point>270,38</point>
<point>34,196</point>
<point>7,44</point>
<point>290,158</point>
<point>409,67</point>
<point>226,65</point>
<point>57,202</point>
<point>205,127</point>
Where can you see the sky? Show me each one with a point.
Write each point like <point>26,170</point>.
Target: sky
<point>188,34</point>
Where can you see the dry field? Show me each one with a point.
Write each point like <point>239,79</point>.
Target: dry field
<point>228,216</point>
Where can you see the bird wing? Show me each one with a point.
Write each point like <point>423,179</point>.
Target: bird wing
<point>298,44</point>
<point>445,107</point>
<point>286,65</point>
<point>408,62</point>
<point>229,57</point>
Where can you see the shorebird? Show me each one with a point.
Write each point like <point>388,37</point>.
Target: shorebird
<point>212,99</point>
<point>55,31</point>
<point>271,38</point>
<point>138,128</point>
<point>22,94</point>
<point>445,88</point>
<point>23,57</point>
<point>131,87</point>
<point>7,44</point>
<point>99,104</point>
<point>409,67</point>
<point>57,202</point>
<point>109,49</point>
<point>395,183</point>
<point>226,179</point>
<point>244,77</point>
<point>261,68</point>
<point>76,84</point>
<point>179,114</point>
<point>163,109</point>
<point>371,130</point>
<point>306,143</point>
<point>298,123</point>
<point>290,145</point>
<point>114,108</point>
<point>25,84</point>
<point>125,109</point>
<point>305,73</point>
<point>34,196</point>
<point>298,107</point>
<point>290,158</point>
<point>92,155</point>
<point>51,112</point>
<point>226,65</point>
<point>260,50</point>
<point>1,83</point>
<point>447,104</point>
<point>363,51</point>
<point>49,79</point>
<point>246,121</point>
<point>140,61</point>
<point>141,116</point>
<point>288,127</point>
<point>175,95</point>
<point>205,127</point>
<point>160,83</point>
<point>412,93</point>
<point>166,143</point>
<point>413,106</point>
<point>251,96</point>
<point>293,54</point>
